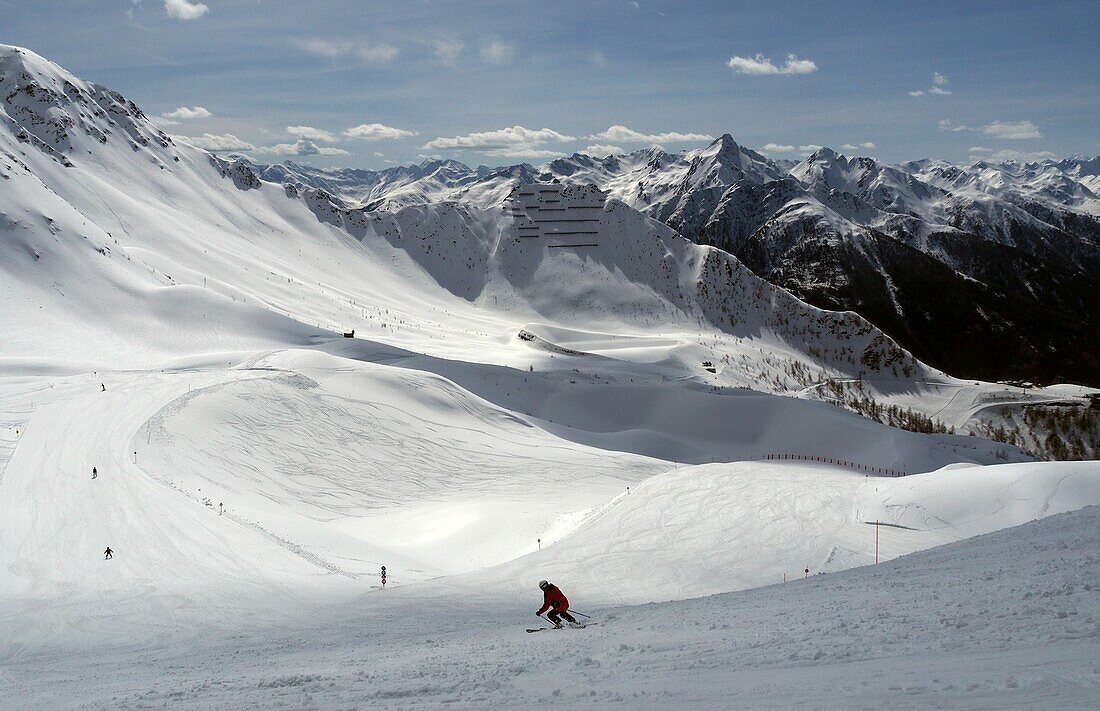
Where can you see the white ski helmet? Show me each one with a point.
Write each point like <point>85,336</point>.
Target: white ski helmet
<point>544,584</point>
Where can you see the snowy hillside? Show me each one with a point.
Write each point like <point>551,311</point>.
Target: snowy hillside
<point>1017,241</point>
<point>831,246</point>
<point>258,393</point>
<point>1007,619</point>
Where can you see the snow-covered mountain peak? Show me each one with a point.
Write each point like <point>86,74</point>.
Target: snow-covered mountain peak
<point>823,154</point>
<point>724,162</point>
<point>46,105</point>
<point>579,161</point>
<point>443,167</point>
<point>1084,170</point>
<point>1079,165</point>
<point>724,149</point>
<point>860,186</point>
<point>825,168</point>
<point>834,168</point>
<point>33,66</point>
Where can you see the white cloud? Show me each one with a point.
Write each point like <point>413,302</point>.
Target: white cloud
<point>805,149</point>
<point>939,86</point>
<point>762,66</point>
<point>602,149</point>
<point>521,151</point>
<point>497,52</point>
<point>302,148</point>
<point>184,10</point>
<point>186,113</point>
<point>622,134</point>
<point>337,49</point>
<point>215,142</point>
<point>1008,130</point>
<point>379,154</point>
<point>311,133</point>
<point>377,54</point>
<point>1012,130</point>
<point>378,132</point>
<point>949,125</point>
<point>448,51</point>
<point>515,138</point>
<point>980,153</point>
<point>432,156</point>
<point>868,145</point>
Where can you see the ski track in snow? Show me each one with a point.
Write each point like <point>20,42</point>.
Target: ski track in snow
<point>989,622</point>
<point>177,405</point>
<point>688,532</point>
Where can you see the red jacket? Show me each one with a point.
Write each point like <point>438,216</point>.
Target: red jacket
<point>552,597</point>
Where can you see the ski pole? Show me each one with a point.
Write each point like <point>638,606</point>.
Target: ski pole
<point>581,614</point>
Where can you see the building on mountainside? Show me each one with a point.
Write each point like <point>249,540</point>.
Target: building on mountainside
<point>567,214</point>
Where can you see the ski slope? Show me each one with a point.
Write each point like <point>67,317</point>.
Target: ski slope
<point>1004,620</point>
<point>433,490</point>
<point>505,412</point>
<point>262,606</point>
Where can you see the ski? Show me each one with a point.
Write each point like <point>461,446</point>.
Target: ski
<point>564,627</point>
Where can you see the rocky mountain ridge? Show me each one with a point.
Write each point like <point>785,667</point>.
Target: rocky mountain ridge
<point>1004,258</point>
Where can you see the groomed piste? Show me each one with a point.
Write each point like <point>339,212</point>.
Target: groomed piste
<point>504,413</point>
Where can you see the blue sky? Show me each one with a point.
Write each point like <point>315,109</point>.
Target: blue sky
<point>369,84</point>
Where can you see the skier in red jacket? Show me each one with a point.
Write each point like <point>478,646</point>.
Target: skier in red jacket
<point>554,600</point>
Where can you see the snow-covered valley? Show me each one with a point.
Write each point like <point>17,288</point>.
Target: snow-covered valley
<point>280,394</point>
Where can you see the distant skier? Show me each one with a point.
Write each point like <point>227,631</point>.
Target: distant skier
<point>94,473</point>
<point>554,600</point>
<point>104,388</point>
<point>108,554</point>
